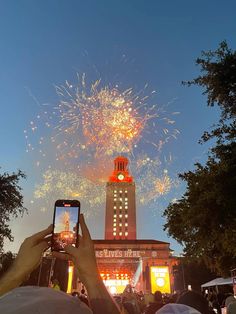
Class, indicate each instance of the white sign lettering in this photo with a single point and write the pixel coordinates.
(119, 253)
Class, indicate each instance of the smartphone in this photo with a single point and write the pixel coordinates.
(65, 224)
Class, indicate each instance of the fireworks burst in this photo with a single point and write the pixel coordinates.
(90, 125)
(109, 120)
(96, 121)
(153, 181)
(64, 185)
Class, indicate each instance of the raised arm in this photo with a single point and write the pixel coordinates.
(28, 258)
(85, 264)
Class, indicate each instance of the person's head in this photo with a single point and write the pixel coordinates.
(41, 300)
(55, 281)
(195, 300)
(158, 296)
(128, 288)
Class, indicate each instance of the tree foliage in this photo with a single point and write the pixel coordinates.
(218, 79)
(185, 274)
(11, 203)
(204, 219)
(6, 261)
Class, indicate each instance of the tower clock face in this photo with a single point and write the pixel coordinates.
(120, 176)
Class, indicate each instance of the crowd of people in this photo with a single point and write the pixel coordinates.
(95, 299)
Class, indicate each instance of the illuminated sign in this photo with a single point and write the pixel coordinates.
(160, 279)
(124, 253)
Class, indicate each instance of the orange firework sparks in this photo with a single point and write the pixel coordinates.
(163, 185)
(76, 139)
(110, 120)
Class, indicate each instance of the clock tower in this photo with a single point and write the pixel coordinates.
(120, 219)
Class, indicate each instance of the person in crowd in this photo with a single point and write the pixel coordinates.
(75, 294)
(83, 297)
(173, 308)
(130, 301)
(231, 308)
(156, 305)
(27, 300)
(229, 299)
(189, 302)
(148, 298)
(55, 285)
(195, 300)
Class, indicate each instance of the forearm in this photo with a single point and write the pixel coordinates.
(10, 280)
(99, 298)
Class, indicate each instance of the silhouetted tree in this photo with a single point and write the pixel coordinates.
(203, 220)
(11, 203)
(6, 259)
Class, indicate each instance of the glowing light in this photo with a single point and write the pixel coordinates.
(70, 278)
(113, 290)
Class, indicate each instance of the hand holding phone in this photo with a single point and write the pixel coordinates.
(65, 224)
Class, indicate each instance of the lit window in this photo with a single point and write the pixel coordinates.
(120, 224)
(120, 233)
(114, 215)
(126, 199)
(121, 199)
(114, 219)
(126, 233)
(126, 224)
(114, 233)
(126, 215)
(120, 191)
(114, 207)
(115, 191)
(126, 203)
(114, 229)
(126, 207)
(114, 199)
(114, 224)
(120, 215)
(126, 191)
(120, 207)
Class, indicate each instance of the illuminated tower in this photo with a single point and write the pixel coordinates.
(120, 220)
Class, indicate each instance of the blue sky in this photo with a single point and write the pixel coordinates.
(44, 43)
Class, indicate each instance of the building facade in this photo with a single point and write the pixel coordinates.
(122, 258)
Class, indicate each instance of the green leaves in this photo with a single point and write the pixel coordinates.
(11, 202)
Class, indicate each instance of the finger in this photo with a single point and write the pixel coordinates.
(71, 250)
(62, 256)
(40, 235)
(42, 246)
(84, 228)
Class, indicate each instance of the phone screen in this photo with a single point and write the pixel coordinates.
(66, 222)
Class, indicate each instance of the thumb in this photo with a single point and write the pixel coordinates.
(71, 250)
